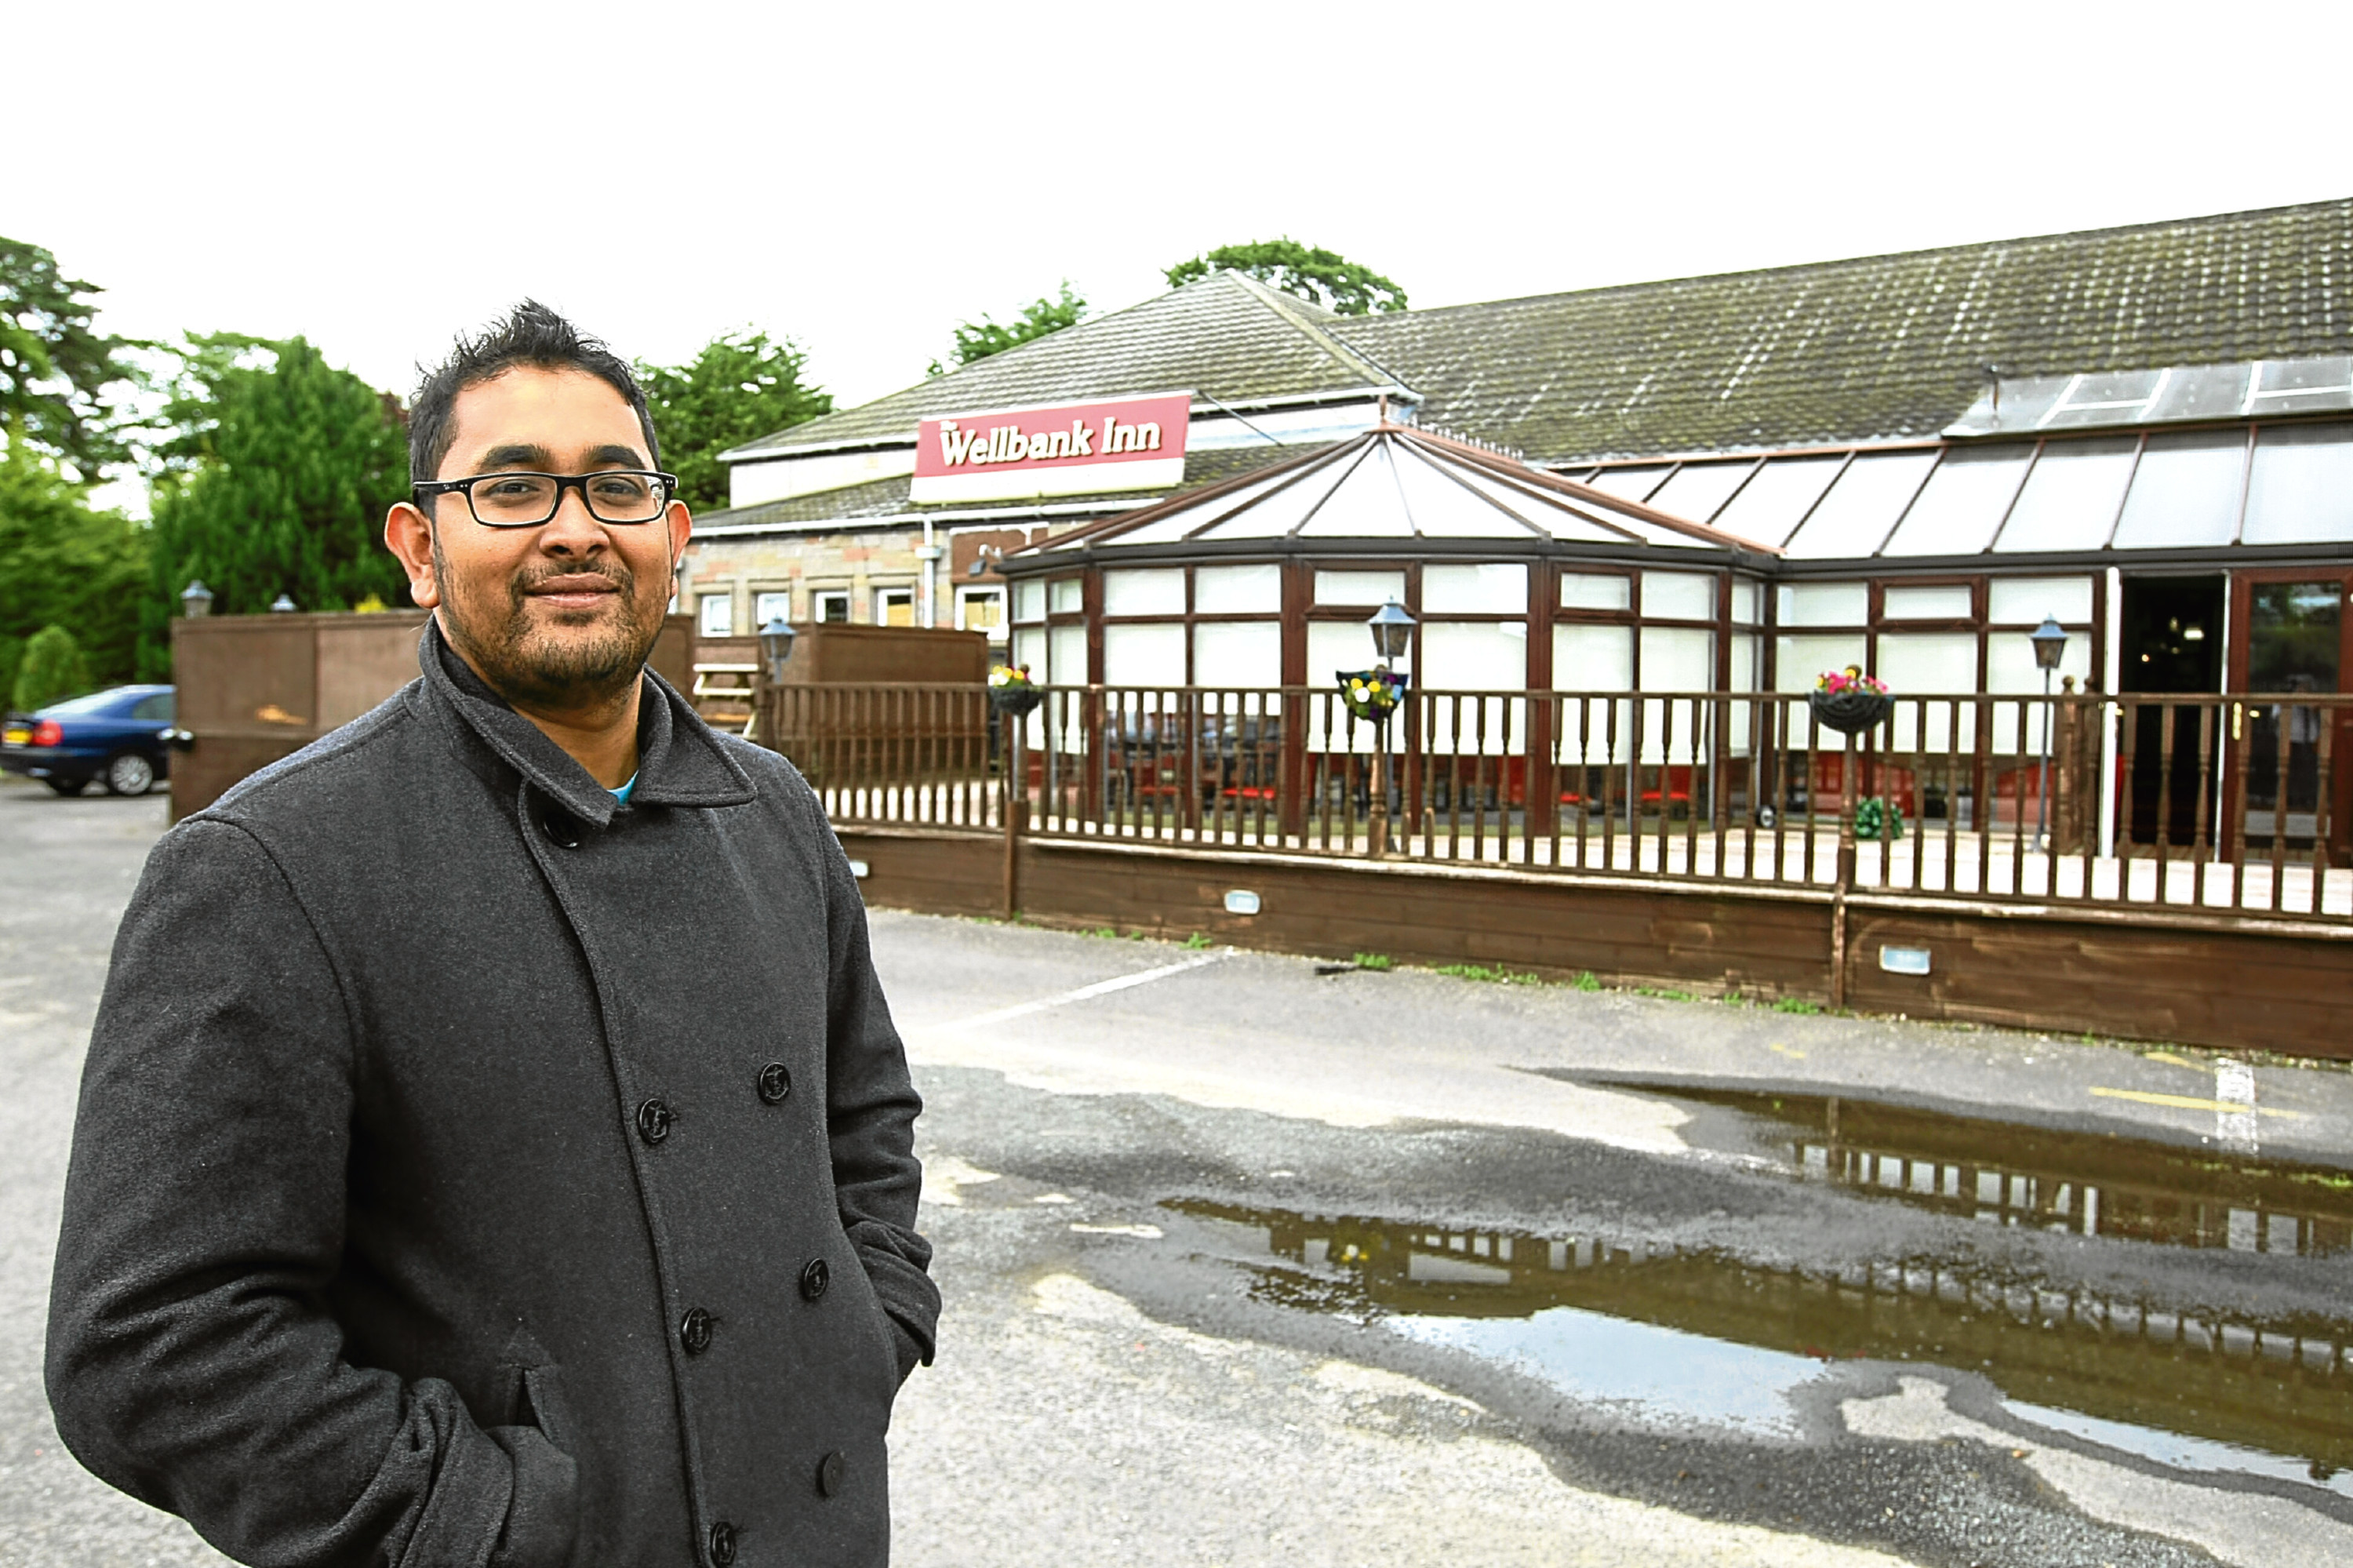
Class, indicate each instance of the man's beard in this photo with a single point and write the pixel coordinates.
(494, 628)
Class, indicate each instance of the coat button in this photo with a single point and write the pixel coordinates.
(694, 1331)
(654, 1121)
(776, 1081)
(560, 828)
(829, 1474)
(723, 1544)
(815, 1279)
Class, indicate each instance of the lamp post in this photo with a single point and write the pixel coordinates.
(195, 599)
(2050, 641)
(1392, 631)
(776, 647)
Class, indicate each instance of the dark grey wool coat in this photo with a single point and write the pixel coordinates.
(471, 1171)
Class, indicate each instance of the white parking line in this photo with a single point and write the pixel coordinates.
(1083, 994)
(2234, 1085)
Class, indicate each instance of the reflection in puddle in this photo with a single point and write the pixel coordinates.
(1677, 1327)
(2009, 1173)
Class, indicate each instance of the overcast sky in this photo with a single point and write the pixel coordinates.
(862, 177)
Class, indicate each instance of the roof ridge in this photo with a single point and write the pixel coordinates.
(1292, 309)
(1833, 263)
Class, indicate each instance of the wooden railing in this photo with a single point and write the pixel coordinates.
(2230, 805)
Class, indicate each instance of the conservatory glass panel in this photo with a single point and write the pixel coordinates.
(1699, 490)
(1066, 657)
(2070, 498)
(1629, 484)
(1861, 509)
(1771, 505)
(1030, 599)
(1962, 502)
(1677, 659)
(1237, 590)
(1550, 515)
(2301, 491)
(1143, 590)
(1066, 596)
(1363, 506)
(1596, 590)
(1443, 509)
(1747, 602)
(1148, 654)
(1798, 662)
(1824, 604)
(1678, 596)
(1587, 658)
(1336, 645)
(2011, 668)
(1176, 525)
(2024, 602)
(1487, 589)
(1247, 653)
(1928, 664)
(1947, 602)
(2184, 492)
(1370, 588)
(1474, 656)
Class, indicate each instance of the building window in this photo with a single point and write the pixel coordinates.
(718, 615)
(831, 607)
(894, 607)
(776, 604)
(1029, 601)
(1066, 596)
(981, 609)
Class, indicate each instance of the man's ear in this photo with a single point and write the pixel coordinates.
(408, 534)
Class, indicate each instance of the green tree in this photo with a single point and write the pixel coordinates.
(740, 388)
(59, 377)
(276, 481)
(978, 339)
(63, 564)
(1305, 271)
(53, 670)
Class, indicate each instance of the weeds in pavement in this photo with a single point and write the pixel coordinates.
(1663, 993)
(1106, 932)
(1481, 972)
(1376, 962)
(1796, 1005)
(1197, 941)
(1586, 982)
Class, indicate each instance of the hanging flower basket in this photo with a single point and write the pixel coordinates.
(1371, 694)
(1849, 701)
(1010, 691)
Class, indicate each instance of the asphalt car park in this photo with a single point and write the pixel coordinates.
(120, 738)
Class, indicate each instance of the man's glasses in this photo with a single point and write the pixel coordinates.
(528, 500)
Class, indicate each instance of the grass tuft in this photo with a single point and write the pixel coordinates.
(1373, 962)
(1796, 1005)
(1496, 976)
(1586, 982)
(1197, 941)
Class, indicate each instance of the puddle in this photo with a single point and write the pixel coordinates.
(1666, 1335)
(2013, 1174)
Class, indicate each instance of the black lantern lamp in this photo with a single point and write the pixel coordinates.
(1392, 631)
(195, 599)
(776, 648)
(2050, 641)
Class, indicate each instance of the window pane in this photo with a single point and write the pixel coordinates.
(1474, 656)
(1368, 589)
(2070, 500)
(1029, 649)
(1631, 483)
(1150, 654)
(1240, 653)
(1927, 604)
(1678, 659)
(1154, 590)
(2010, 667)
(718, 615)
(1030, 599)
(1928, 664)
(2301, 491)
(1769, 505)
(833, 608)
(1591, 590)
(981, 609)
(2024, 602)
(1824, 604)
(1800, 661)
(1592, 658)
(1067, 596)
(1678, 596)
(1861, 509)
(1499, 589)
(894, 607)
(1747, 602)
(1237, 590)
(1699, 490)
(768, 607)
(1336, 645)
(1963, 502)
(1066, 657)
(2185, 491)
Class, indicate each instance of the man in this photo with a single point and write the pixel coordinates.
(494, 1148)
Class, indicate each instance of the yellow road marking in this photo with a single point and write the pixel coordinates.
(2170, 1060)
(2187, 1102)
(1787, 1051)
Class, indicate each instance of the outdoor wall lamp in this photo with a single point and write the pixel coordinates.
(195, 599)
(2050, 641)
(1392, 631)
(776, 647)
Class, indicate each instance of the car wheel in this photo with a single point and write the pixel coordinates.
(67, 786)
(128, 773)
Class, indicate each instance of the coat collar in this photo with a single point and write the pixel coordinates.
(679, 761)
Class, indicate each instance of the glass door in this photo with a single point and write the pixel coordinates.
(2293, 640)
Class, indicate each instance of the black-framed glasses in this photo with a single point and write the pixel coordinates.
(620, 496)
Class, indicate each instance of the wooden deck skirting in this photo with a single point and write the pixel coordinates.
(2164, 975)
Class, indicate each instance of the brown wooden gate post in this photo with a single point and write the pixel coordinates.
(1017, 809)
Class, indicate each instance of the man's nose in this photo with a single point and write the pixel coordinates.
(574, 530)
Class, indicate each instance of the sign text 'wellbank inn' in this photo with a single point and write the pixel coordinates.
(1066, 449)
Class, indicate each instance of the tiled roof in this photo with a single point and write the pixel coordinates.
(888, 497)
(1224, 334)
(1874, 348)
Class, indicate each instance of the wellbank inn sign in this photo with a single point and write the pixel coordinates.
(1066, 449)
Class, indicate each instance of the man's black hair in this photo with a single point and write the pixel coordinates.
(530, 335)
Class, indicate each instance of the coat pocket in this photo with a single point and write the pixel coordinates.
(542, 1405)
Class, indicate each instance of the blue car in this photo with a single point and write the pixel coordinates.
(119, 737)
